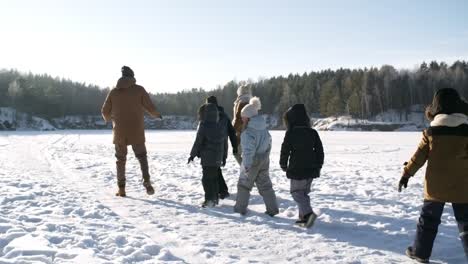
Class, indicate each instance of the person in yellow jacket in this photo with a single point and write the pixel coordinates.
(444, 145)
(244, 94)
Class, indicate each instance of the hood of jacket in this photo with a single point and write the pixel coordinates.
(257, 122)
(297, 116)
(211, 114)
(245, 98)
(451, 120)
(125, 82)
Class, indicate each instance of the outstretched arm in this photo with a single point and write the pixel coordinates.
(149, 106)
(198, 143)
(419, 157)
(107, 108)
(416, 162)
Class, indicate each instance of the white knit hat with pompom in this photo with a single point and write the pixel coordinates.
(243, 89)
(251, 109)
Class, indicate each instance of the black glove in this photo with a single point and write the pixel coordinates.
(403, 183)
(234, 151)
(190, 159)
(404, 179)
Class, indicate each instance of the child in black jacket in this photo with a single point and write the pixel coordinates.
(301, 158)
(210, 146)
(231, 134)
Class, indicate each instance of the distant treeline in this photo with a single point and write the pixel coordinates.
(45, 96)
(361, 93)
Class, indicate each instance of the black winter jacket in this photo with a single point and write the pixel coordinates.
(231, 132)
(301, 153)
(210, 144)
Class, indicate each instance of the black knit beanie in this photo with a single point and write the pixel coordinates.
(127, 72)
(212, 100)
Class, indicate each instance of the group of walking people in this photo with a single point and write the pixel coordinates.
(444, 146)
(301, 154)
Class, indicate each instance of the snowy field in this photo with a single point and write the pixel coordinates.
(57, 205)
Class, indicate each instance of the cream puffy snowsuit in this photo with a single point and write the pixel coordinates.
(256, 145)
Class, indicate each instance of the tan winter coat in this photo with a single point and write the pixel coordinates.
(241, 101)
(445, 147)
(125, 106)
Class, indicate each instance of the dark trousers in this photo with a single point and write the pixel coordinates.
(121, 155)
(223, 189)
(428, 224)
(210, 183)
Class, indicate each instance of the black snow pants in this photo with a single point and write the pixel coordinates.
(428, 224)
(210, 183)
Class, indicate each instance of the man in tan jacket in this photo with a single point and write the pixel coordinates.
(125, 106)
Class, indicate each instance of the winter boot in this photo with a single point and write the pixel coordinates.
(301, 221)
(271, 214)
(310, 219)
(121, 192)
(149, 188)
(464, 239)
(410, 253)
(208, 203)
(241, 212)
(223, 195)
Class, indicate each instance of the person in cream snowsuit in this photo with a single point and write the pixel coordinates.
(256, 145)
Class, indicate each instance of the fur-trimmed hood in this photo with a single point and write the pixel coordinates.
(243, 90)
(452, 120)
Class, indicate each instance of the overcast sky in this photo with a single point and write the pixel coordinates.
(176, 45)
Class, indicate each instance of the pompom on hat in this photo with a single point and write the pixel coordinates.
(251, 109)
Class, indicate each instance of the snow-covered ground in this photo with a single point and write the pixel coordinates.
(57, 205)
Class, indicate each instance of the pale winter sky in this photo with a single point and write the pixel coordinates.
(176, 45)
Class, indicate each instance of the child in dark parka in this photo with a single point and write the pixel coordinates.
(210, 146)
(301, 158)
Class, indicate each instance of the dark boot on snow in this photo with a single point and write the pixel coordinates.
(209, 203)
(271, 214)
(300, 222)
(310, 219)
(464, 239)
(223, 195)
(148, 187)
(410, 253)
(121, 192)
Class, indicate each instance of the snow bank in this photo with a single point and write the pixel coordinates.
(12, 120)
(391, 120)
(347, 123)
